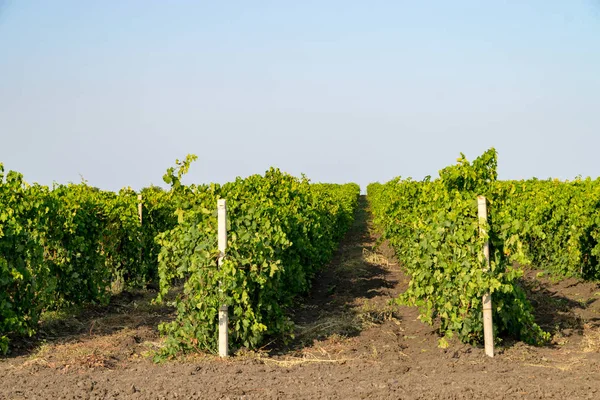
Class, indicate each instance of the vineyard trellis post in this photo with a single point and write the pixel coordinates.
(141, 235)
(140, 207)
(488, 327)
(223, 309)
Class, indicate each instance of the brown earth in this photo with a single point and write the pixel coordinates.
(350, 344)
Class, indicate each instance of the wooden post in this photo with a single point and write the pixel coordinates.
(223, 310)
(141, 236)
(488, 327)
(140, 207)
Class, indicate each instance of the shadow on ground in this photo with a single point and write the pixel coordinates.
(350, 294)
(97, 334)
(563, 307)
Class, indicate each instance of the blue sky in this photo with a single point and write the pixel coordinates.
(339, 90)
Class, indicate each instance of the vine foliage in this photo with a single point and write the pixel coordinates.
(281, 231)
(434, 228)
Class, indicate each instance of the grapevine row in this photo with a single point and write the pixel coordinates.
(434, 227)
(282, 230)
(75, 244)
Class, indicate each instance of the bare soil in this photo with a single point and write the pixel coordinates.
(350, 343)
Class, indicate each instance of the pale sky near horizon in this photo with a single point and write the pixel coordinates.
(339, 90)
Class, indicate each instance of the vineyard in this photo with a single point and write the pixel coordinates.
(433, 225)
(378, 290)
(75, 244)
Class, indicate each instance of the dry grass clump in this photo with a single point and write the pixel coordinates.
(591, 339)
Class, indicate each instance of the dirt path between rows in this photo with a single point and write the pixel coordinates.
(350, 344)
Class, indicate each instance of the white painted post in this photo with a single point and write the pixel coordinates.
(223, 310)
(140, 207)
(140, 235)
(488, 327)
